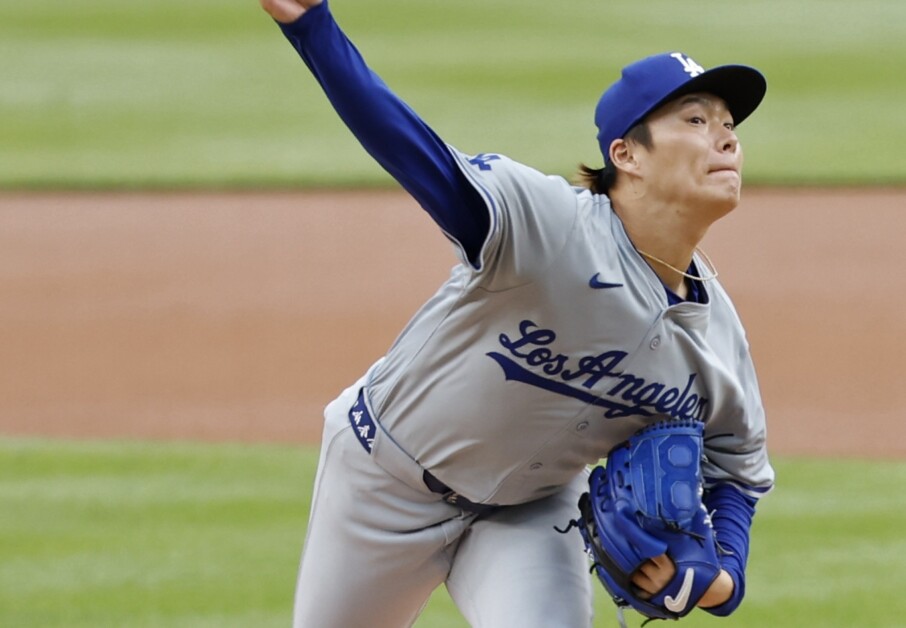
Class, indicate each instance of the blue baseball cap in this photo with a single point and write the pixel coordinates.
(647, 84)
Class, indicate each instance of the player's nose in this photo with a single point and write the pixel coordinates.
(727, 141)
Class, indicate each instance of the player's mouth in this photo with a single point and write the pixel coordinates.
(724, 170)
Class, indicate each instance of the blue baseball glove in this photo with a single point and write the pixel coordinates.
(647, 502)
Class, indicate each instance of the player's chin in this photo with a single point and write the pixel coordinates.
(724, 195)
(713, 206)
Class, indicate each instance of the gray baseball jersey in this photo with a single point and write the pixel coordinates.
(520, 372)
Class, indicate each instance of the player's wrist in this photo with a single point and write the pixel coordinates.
(720, 591)
(287, 11)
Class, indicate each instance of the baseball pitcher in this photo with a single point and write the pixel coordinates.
(580, 322)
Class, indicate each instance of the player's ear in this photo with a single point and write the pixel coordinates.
(623, 155)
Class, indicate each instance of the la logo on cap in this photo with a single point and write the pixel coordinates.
(690, 66)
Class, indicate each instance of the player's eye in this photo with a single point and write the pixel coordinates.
(730, 126)
(697, 120)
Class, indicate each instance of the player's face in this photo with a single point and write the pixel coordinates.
(696, 158)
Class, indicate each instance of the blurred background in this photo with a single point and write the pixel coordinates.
(98, 93)
(197, 256)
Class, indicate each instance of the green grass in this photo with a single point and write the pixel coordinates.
(132, 534)
(97, 93)
(153, 534)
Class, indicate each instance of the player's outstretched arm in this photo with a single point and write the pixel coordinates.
(287, 11)
(401, 142)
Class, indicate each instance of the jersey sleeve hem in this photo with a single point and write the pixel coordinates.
(750, 491)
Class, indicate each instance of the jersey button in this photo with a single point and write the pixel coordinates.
(535, 466)
(655, 343)
(581, 427)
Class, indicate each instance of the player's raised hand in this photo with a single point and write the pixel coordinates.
(287, 11)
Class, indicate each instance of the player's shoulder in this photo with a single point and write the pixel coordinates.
(499, 169)
(720, 300)
(724, 315)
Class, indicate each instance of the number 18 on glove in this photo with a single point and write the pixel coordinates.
(647, 502)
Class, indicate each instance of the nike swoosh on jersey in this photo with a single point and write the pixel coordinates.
(678, 604)
(597, 284)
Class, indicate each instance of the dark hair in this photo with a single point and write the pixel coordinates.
(600, 180)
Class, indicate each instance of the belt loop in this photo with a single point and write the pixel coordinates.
(455, 499)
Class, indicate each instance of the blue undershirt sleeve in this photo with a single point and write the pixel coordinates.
(732, 514)
(389, 130)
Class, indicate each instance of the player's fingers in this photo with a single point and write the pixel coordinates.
(664, 564)
(644, 584)
(655, 573)
(654, 568)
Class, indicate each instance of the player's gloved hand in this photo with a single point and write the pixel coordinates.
(287, 11)
(645, 527)
(657, 573)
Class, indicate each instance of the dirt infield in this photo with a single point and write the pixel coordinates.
(238, 316)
